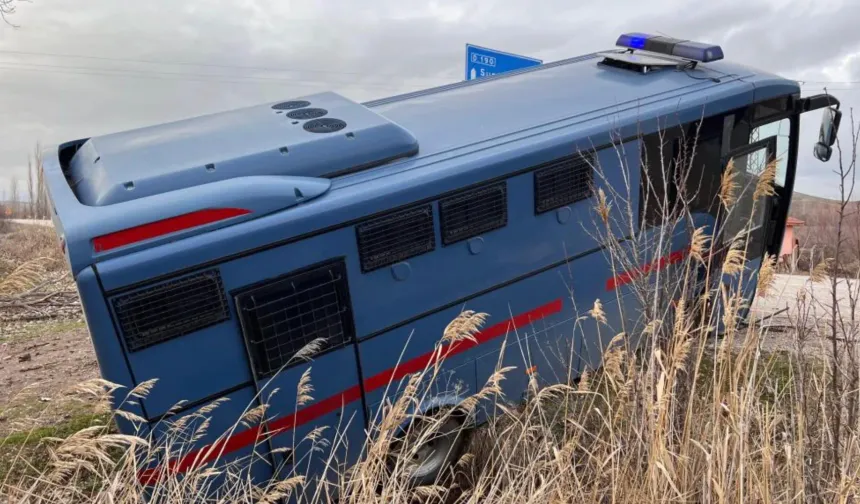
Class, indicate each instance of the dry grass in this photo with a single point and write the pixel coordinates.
(20, 244)
(752, 431)
(34, 279)
(681, 419)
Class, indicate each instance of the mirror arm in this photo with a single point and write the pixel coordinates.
(816, 102)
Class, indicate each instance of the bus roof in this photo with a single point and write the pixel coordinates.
(470, 112)
(270, 157)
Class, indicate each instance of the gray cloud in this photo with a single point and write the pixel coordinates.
(854, 68)
(361, 49)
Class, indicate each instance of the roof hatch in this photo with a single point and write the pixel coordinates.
(322, 135)
(637, 62)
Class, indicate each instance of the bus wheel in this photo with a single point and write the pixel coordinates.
(426, 455)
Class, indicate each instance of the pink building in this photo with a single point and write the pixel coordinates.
(790, 245)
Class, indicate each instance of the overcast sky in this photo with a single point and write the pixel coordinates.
(77, 68)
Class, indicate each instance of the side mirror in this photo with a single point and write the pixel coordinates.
(827, 134)
(822, 152)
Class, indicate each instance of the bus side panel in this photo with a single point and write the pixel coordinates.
(333, 403)
(542, 353)
(597, 334)
(387, 360)
(289, 322)
(277, 310)
(109, 351)
(210, 423)
(741, 286)
(622, 297)
(554, 349)
(192, 367)
(526, 244)
(660, 257)
(213, 360)
(525, 312)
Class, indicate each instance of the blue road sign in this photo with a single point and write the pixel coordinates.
(483, 62)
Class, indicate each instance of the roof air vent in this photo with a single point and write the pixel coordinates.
(324, 125)
(307, 113)
(291, 105)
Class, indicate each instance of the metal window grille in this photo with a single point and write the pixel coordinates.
(171, 309)
(562, 182)
(473, 212)
(296, 317)
(395, 237)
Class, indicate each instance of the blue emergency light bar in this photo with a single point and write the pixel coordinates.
(686, 49)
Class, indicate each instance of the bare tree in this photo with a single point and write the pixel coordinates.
(14, 200)
(4, 205)
(37, 204)
(7, 8)
(41, 196)
(843, 330)
(31, 191)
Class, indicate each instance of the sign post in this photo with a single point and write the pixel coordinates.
(483, 62)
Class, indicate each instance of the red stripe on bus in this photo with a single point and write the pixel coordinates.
(628, 276)
(422, 361)
(254, 435)
(325, 406)
(164, 227)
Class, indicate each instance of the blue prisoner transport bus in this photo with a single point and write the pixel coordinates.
(208, 251)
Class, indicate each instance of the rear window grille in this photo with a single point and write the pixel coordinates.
(562, 182)
(282, 317)
(473, 212)
(395, 237)
(171, 309)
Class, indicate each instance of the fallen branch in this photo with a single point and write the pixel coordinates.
(54, 297)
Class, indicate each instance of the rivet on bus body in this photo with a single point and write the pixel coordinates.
(563, 215)
(476, 245)
(401, 271)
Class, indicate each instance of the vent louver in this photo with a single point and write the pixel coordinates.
(281, 317)
(171, 309)
(291, 105)
(473, 212)
(395, 237)
(562, 182)
(307, 113)
(324, 125)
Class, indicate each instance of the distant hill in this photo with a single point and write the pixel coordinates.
(805, 205)
(800, 197)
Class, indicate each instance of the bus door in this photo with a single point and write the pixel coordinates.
(298, 327)
(750, 219)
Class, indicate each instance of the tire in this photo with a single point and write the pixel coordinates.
(428, 462)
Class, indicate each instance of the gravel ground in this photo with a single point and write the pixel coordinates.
(39, 362)
(796, 301)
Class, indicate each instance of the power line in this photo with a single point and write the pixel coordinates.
(239, 79)
(845, 89)
(116, 74)
(265, 68)
(817, 88)
(186, 63)
(123, 72)
(803, 82)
